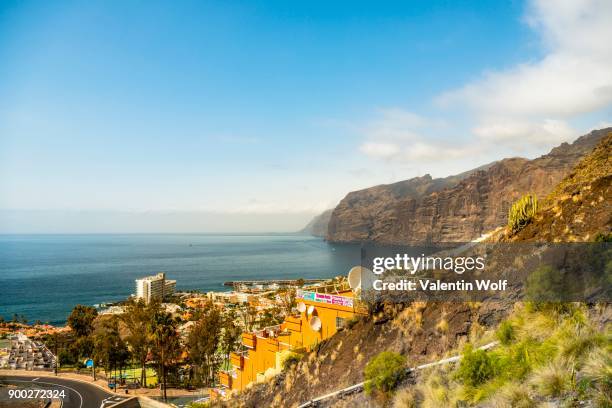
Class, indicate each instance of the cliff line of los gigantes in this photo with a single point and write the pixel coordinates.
(456, 208)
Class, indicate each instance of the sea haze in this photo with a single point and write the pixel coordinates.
(44, 276)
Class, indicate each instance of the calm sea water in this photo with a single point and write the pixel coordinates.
(44, 276)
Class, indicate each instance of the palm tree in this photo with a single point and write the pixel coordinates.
(165, 341)
(231, 334)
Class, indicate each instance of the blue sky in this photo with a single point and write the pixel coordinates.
(253, 116)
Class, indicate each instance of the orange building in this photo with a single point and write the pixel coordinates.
(320, 316)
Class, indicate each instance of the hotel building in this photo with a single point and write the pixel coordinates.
(155, 287)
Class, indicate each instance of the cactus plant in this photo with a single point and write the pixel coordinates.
(522, 212)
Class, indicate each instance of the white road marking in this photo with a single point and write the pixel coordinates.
(111, 401)
(70, 388)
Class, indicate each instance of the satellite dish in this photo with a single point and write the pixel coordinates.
(315, 323)
(357, 275)
(301, 307)
(311, 310)
(360, 280)
(354, 277)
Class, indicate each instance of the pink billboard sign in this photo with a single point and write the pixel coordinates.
(326, 298)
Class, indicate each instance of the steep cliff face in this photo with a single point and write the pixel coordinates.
(318, 225)
(457, 208)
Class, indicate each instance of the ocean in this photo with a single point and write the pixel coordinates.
(43, 276)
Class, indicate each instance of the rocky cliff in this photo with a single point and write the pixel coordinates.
(578, 208)
(456, 208)
(318, 225)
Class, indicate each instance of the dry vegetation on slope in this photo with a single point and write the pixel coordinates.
(549, 356)
(580, 206)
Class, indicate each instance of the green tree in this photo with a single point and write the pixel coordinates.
(287, 300)
(81, 344)
(232, 333)
(166, 345)
(110, 351)
(138, 321)
(249, 316)
(203, 342)
(81, 347)
(271, 317)
(81, 320)
(66, 358)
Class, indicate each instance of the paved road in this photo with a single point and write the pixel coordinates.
(77, 394)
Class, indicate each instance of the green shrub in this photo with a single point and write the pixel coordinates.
(352, 322)
(520, 358)
(505, 332)
(581, 342)
(522, 212)
(597, 370)
(291, 360)
(406, 398)
(513, 395)
(384, 372)
(435, 389)
(601, 237)
(553, 380)
(476, 367)
(544, 286)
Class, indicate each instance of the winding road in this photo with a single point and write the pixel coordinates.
(77, 394)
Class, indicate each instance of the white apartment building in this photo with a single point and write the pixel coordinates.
(155, 287)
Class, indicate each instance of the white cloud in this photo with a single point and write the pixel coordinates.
(395, 124)
(531, 101)
(380, 150)
(399, 135)
(602, 125)
(546, 133)
(525, 109)
(561, 85)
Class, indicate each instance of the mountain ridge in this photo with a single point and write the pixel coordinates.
(456, 208)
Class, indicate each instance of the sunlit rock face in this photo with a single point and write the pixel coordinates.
(453, 209)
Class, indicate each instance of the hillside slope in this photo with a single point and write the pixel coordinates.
(412, 330)
(423, 332)
(453, 209)
(580, 205)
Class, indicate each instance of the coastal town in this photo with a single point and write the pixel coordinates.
(261, 326)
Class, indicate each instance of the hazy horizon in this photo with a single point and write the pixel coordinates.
(14, 222)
